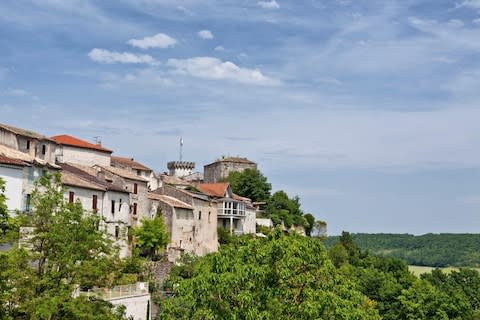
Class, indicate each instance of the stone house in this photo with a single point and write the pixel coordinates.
(205, 239)
(219, 170)
(137, 168)
(100, 197)
(178, 217)
(234, 213)
(12, 171)
(135, 185)
(74, 150)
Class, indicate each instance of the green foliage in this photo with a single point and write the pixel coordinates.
(281, 277)
(310, 221)
(435, 250)
(152, 237)
(224, 236)
(65, 249)
(250, 183)
(3, 202)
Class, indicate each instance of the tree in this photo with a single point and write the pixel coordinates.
(65, 249)
(250, 183)
(282, 208)
(309, 225)
(319, 229)
(280, 277)
(152, 237)
(3, 208)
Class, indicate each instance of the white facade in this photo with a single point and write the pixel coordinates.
(250, 224)
(82, 156)
(13, 176)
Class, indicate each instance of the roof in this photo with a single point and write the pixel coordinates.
(18, 155)
(24, 132)
(67, 140)
(11, 161)
(122, 173)
(171, 201)
(71, 179)
(130, 163)
(173, 180)
(90, 176)
(233, 159)
(214, 189)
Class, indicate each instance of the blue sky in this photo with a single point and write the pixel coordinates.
(368, 110)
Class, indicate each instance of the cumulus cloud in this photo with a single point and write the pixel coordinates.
(15, 92)
(215, 69)
(205, 34)
(219, 48)
(475, 4)
(160, 40)
(111, 57)
(268, 4)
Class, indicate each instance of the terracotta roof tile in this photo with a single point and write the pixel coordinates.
(90, 175)
(18, 155)
(11, 161)
(122, 173)
(75, 142)
(130, 163)
(213, 189)
(71, 179)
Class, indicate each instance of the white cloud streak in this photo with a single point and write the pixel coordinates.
(215, 69)
(111, 57)
(205, 34)
(160, 40)
(269, 4)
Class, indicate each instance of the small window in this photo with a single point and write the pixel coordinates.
(120, 205)
(209, 214)
(199, 215)
(139, 172)
(117, 232)
(94, 202)
(31, 175)
(134, 208)
(28, 144)
(44, 149)
(28, 200)
(135, 188)
(113, 207)
(71, 196)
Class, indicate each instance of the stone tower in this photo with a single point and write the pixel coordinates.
(218, 170)
(180, 168)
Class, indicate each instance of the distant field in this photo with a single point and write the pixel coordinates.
(418, 270)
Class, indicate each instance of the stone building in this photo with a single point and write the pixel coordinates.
(135, 185)
(137, 168)
(234, 213)
(100, 197)
(219, 170)
(74, 150)
(180, 168)
(205, 238)
(12, 171)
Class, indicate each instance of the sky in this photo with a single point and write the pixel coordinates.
(367, 110)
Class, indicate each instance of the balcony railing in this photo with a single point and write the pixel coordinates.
(231, 212)
(129, 290)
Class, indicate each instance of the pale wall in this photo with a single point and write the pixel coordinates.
(136, 306)
(13, 177)
(86, 157)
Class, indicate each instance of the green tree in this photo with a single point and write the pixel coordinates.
(280, 277)
(282, 208)
(3, 202)
(65, 249)
(250, 183)
(309, 224)
(152, 237)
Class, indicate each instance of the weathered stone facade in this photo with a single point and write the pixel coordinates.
(219, 170)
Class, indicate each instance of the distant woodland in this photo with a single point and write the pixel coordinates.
(434, 250)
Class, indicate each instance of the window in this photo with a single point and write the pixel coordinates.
(113, 207)
(117, 232)
(120, 205)
(94, 202)
(44, 149)
(28, 144)
(71, 196)
(134, 208)
(135, 188)
(199, 215)
(139, 172)
(209, 214)
(31, 172)
(28, 200)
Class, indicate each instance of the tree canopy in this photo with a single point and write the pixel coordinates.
(152, 237)
(65, 248)
(250, 183)
(280, 277)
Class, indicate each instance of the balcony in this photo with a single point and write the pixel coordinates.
(231, 209)
(118, 292)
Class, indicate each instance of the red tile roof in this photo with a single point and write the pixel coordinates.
(11, 161)
(130, 163)
(75, 142)
(214, 189)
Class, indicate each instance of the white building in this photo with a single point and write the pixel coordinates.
(12, 171)
(74, 150)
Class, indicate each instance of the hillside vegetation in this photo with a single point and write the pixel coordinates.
(434, 250)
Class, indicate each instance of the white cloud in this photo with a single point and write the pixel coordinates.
(215, 69)
(205, 34)
(475, 4)
(160, 40)
(219, 48)
(268, 4)
(110, 57)
(15, 92)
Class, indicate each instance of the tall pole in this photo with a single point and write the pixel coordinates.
(181, 147)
